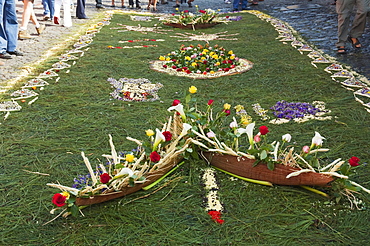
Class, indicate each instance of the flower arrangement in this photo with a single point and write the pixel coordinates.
(134, 169)
(233, 133)
(200, 59)
(200, 17)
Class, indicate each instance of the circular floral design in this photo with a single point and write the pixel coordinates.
(201, 62)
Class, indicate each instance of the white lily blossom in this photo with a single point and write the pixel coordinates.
(179, 108)
(317, 140)
(185, 128)
(287, 137)
(124, 171)
(159, 137)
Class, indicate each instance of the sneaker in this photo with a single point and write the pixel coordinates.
(5, 56)
(23, 35)
(15, 53)
(40, 29)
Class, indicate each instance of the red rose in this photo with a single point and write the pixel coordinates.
(188, 71)
(185, 68)
(154, 156)
(130, 41)
(59, 200)
(205, 62)
(227, 112)
(104, 178)
(167, 135)
(165, 66)
(186, 11)
(264, 130)
(174, 67)
(176, 102)
(179, 69)
(354, 161)
(204, 72)
(210, 102)
(226, 69)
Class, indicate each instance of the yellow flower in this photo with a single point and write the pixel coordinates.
(215, 56)
(65, 194)
(193, 89)
(212, 72)
(232, 57)
(130, 157)
(205, 51)
(211, 53)
(217, 64)
(168, 59)
(238, 107)
(149, 132)
(162, 58)
(194, 64)
(177, 9)
(230, 52)
(187, 58)
(246, 119)
(203, 58)
(227, 106)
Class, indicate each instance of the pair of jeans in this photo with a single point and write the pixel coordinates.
(48, 8)
(8, 26)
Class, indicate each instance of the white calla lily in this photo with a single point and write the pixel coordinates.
(287, 137)
(249, 131)
(179, 108)
(317, 140)
(185, 128)
(124, 171)
(159, 137)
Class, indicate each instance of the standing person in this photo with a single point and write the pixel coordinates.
(80, 10)
(48, 9)
(131, 3)
(345, 32)
(99, 4)
(8, 29)
(27, 15)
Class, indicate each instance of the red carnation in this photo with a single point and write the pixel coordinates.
(59, 200)
(354, 161)
(174, 67)
(167, 135)
(210, 102)
(176, 102)
(264, 130)
(154, 156)
(104, 178)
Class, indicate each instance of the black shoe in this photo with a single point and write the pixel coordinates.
(100, 6)
(235, 10)
(16, 53)
(176, 6)
(84, 17)
(138, 7)
(246, 8)
(5, 56)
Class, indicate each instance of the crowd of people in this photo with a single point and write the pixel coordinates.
(11, 31)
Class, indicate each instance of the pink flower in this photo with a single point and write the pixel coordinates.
(306, 149)
(227, 112)
(353, 161)
(257, 138)
(264, 130)
(211, 134)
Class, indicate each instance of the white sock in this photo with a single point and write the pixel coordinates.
(22, 29)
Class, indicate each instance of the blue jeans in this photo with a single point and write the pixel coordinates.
(236, 4)
(8, 26)
(48, 8)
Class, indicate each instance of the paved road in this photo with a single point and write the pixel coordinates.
(315, 20)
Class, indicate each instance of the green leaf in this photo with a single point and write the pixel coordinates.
(263, 155)
(74, 210)
(270, 165)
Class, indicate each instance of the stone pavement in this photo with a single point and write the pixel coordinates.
(315, 20)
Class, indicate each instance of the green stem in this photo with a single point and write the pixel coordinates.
(161, 178)
(245, 179)
(315, 190)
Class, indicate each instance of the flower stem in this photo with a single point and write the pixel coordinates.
(315, 190)
(245, 179)
(160, 179)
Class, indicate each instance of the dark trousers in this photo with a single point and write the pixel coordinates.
(80, 10)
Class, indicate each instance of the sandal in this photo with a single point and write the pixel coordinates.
(355, 44)
(341, 50)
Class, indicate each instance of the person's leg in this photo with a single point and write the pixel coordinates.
(359, 23)
(45, 4)
(80, 9)
(67, 19)
(236, 5)
(26, 15)
(57, 7)
(10, 25)
(344, 9)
